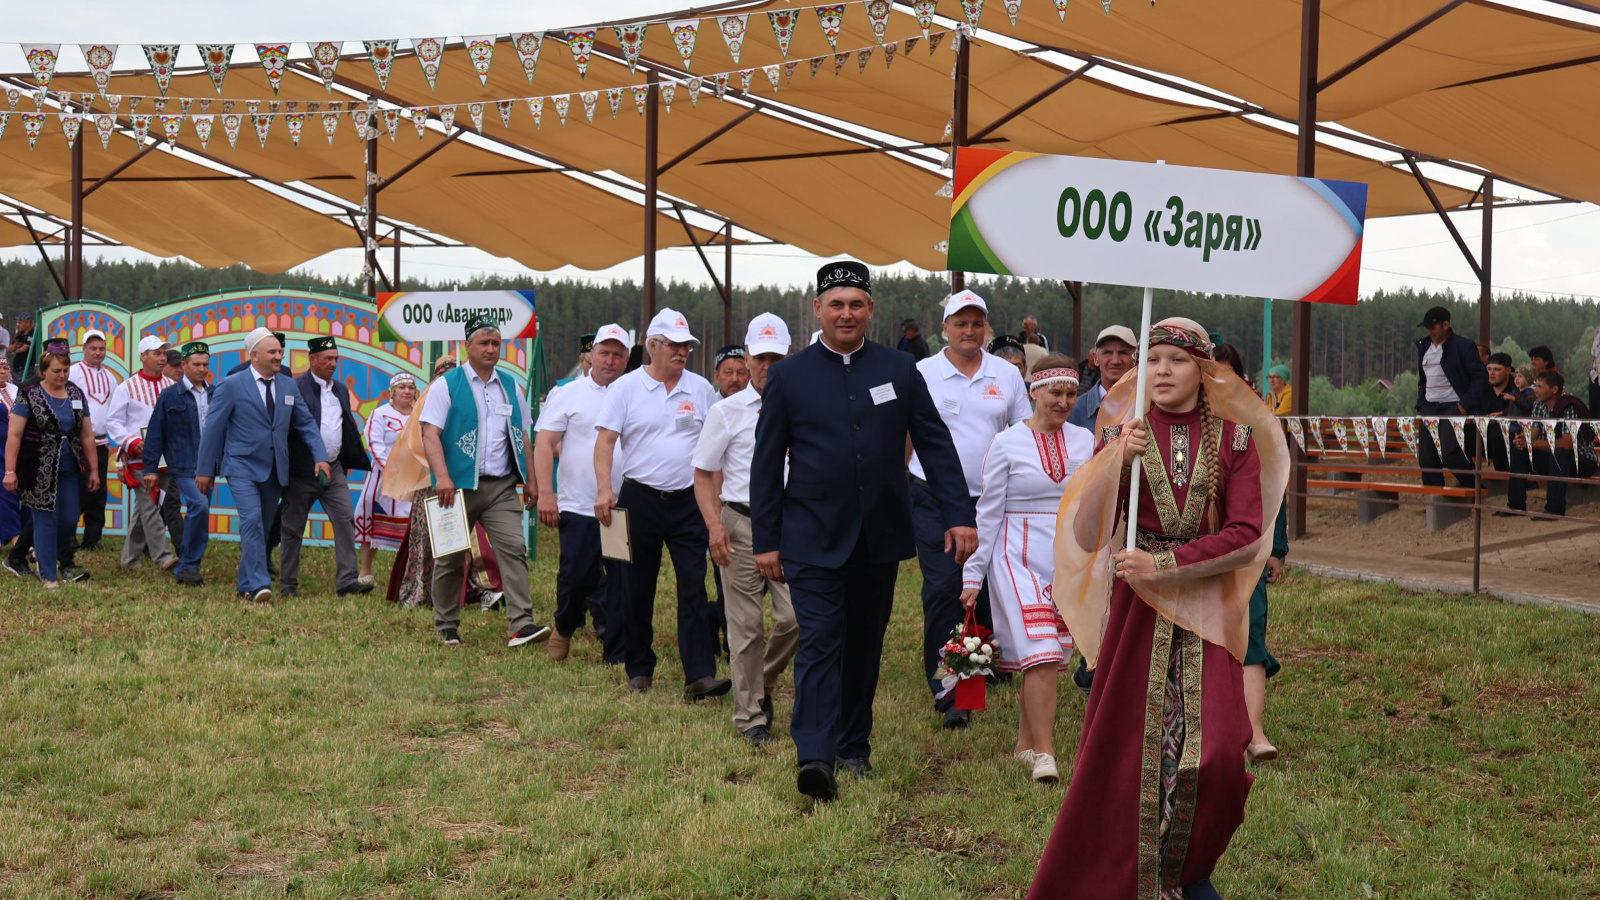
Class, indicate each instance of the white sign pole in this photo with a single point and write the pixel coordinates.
(1138, 406)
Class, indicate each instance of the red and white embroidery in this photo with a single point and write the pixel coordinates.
(1052, 454)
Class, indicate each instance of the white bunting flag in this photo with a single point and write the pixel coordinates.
(100, 58)
(527, 44)
(733, 29)
(42, 59)
(430, 53)
(163, 59)
(325, 54)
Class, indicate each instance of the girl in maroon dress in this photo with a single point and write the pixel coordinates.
(1159, 783)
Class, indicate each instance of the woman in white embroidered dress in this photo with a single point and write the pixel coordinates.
(383, 427)
(1024, 474)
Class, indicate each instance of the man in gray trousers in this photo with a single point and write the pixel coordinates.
(328, 401)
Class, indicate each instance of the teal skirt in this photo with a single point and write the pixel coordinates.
(1257, 654)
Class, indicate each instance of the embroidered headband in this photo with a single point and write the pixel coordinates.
(1177, 337)
(402, 378)
(1053, 376)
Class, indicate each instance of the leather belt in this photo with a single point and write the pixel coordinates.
(742, 509)
(1151, 542)
(663, 494)
(916, 480)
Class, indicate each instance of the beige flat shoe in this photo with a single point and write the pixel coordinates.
(1025, 755)
(1044, 769)
(559, 646)
(1260, 753)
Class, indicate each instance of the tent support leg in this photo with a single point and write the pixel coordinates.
(1306, 166)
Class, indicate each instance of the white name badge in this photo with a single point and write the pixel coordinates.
(500, 409)
(77, 405)
(686, 423)
(883, 393)
(289, 400)
(950, 406)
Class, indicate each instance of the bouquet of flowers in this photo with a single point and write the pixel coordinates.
(968, 658)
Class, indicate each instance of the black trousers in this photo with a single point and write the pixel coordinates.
(941, 586)
(1557, 463)
(582, 575)
(669, 519)
(93, 503)
(172, 514)
(843, 614)
(1453, 457)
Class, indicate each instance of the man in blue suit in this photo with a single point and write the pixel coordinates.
(840, 411)
(174, 435)
(246, 440)
(275, 514)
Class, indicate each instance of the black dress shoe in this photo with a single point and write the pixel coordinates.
(640, 684)
(757, 735)
(957, 718)
(362, 588)
(816, 781)
(1083, 678)
(859, 766)
(709, 686)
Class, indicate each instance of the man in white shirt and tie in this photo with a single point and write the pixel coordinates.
(127, 415)
(726, 447)
(97, 381)
(567, 429)
(978, 395)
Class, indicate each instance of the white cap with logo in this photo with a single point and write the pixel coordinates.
(670, 324)
(151, 342)
(613, 332)
(961, 300)
(767, 334)
(1119, 332)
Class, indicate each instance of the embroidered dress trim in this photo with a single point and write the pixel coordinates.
(1170, 760)
(1052, 454)
(1241, 438)
(1180, 455)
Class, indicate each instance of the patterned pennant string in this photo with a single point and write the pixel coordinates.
(614, 100)
(1459, 425)
(106, 124)
(1552, 432)
(527, 44)
(382, 55)
(694, 91)
(391, 124)
(1481, 424)
(1363, 434)
(217, 59)
(263, 128)
(631, 39)
(274, 59)
(231, 123)
(910, 44)
(589, 98)
(946, 190)
(185, 102)
(744, 79)
(475, 110)
(783, 29)
(359, 117)
(429, 52)
(504, 107)
(925, 10)
(100, 57)
(1408, 433)
(13, 97)
(942, 247)
(684, 34)
(325, 54)
(878, 17)
(141, 127)
(202, 129)
(71, 122)
(788, 70)
(330, 125)
(668, 91)
(973, 10)
(733, 29)
(5, 119)
(562, 102)
(32, 124)
(934, 41)
(163, 58)
(171, 126)
(1299, 433)
(419, 118)
(1341, 435)
(536, 109)
(297, 123)
(42, 59)
(1106, 6)
(1577, 435)
(773, 73)
(1314, 424)
(816, 63)
(839, 59)
(832, 20)
(641, 96)
(480, 49)
(250, 106)
(862, 58)
(889, 50)
(115, 102)
(1012, 8)
(581, 43)
(1432, 424)
(447, 115)
(720, 85)
(1061, 9)
(1380, 434)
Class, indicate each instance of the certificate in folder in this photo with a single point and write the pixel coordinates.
(614, 540)
(447, 526)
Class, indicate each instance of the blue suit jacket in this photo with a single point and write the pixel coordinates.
(1462, 367)
(1086, 409)
(239, 442)
(847, 457)
(174, 430)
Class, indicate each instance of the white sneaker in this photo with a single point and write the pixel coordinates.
(1025, 755)
(1044, 769)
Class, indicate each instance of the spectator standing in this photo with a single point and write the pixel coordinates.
(912, 341)
(127, 415)
(1452, 382)
(1280, 395)
(176, 423)
(729, 371)
(97, 382)
(1113, 356)
(10, 504)
(383, 428)
(1032, 335)
(274, 515)
(21, 346)
(1553, 454)
(51, 419)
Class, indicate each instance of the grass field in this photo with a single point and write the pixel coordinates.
(158, 742)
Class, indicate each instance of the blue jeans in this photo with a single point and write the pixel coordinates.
(250, 497)
(50, 525)
(196, 524)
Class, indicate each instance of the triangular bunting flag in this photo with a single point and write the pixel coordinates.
(1342, 435)
(231, 123)
(889, 50)
(773, 73)
(419, 118)
(13, 97)
(1012, 8)
(202, 129)
(788, 70)
(185, 102)
(1106, 5)
(42, 59)
(325, 54)
(447, 115)
(382, 55)
(297, 124)
(562, 102)
(100, 57)
(1061, 9)
(631, 39)
(1460, 427)
(133, 105)
(816, 63)
(106, 124)
(1363, 434)
(973, 10)
(934, 40)
(1408, 433)
(163, 58)
(614, 100)
(719, 84)
(429, 52)
(527, 44)
(863, 56)
(32, 125)
(141, 127)
(536, 109)
(946, 190)
(581, 43)
(942, 247)
(330, 124)
(925, 10)
(71, 122)
(832, 19)
(783, 29)
(1432, 424)
(1314, 425)
(684, 34)
(878, 17)
(250, 106)
(263, 128)
(641, 96)
(668, 91)
(1380, 434)
(504, 107)
(391, 124)
(160, 104)
(733, 28)
(115, 102)
(217, 58)
(171, 126)
(480, 49)
(1299, 433)
(475, 110)
(274, 59)
(589, 98)
(5, 119)
(910, 44)
(694, 90)
(1481, 425)
(839, 59)
(359, 117)
(744, 79)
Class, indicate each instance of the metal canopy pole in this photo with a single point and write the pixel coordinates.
(1306, 165)
(958, 124)
(75, 233)
(395, 269)
(652, 127)
(727, 284)
(1075, 288)
(1486, 263)
(369, 238)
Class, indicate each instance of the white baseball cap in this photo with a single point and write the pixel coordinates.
(767, 334)
(151, 342)
(93, 333)
(1121, 332)
(670, 324)
(961, 300)
(613, 332)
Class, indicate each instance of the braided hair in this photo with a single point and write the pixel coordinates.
(1211, 444)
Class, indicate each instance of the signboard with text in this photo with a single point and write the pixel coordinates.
(1149, 225)
(418, 316)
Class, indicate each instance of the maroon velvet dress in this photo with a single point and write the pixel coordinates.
(1159, 784)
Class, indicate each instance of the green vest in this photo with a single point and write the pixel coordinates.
(463, 436)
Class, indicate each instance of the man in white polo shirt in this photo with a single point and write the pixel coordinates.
(566, 429)
(978, 396)
(726, 446)
(657, 412)
(97, 381)
(127, 415)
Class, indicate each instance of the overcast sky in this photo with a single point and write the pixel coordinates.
(1549, 250)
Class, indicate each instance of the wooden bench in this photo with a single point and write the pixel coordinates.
(1445, 505)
